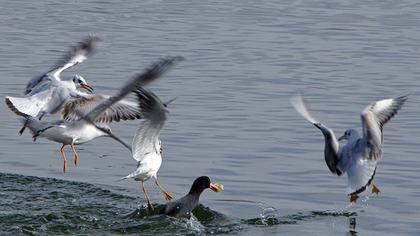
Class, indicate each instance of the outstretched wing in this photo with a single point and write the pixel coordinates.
(31, 105)
(331, 143)
(150, 74)
(146, 139)
(374, 117)
(75, 56)
(121, 110)
(363, 155)
(38, 84)
(301, 108)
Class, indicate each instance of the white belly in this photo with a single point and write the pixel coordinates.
(57, 134)
(82, 132)
(148, 167)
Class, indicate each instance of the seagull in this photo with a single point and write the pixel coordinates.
(146, 145)
(85, 128)
(361, 153)
(183, 207)
(48, 93)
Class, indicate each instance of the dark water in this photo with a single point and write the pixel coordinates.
(232, 119)
(40, 206)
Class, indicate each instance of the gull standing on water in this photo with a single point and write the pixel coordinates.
(359, 156)
(146, 147)
(84, 129)
(48, 93)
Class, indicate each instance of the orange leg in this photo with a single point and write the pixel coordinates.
(64, 159)
(76, 157)
(166, 195)
(149, 203)
(353, 198)
(375, 189)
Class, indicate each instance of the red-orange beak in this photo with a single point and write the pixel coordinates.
(87, 87)
(216, 187)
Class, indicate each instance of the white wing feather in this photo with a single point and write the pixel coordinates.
(121, 110)
(374, 117)
(75, 56)
(146, 139)
(301, 108)
(31, 105)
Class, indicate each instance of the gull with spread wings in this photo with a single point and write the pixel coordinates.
(48, 93)
(146, 147)
(359, 156)
(86, 127)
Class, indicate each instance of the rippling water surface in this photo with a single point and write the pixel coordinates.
(232, 119)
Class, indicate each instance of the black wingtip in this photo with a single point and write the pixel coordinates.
(88, 44)
(169, 102)
(403, 97)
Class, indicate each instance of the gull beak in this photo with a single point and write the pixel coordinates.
(342, 138)
(87, 87)
(216, 187)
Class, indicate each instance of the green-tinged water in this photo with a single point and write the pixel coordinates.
(232, 119)
(40, 206)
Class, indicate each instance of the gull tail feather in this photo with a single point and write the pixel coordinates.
(127, 177)
(35, 126)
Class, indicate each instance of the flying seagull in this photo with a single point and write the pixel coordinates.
(48, 93)
(359, 156)
(84, 129)
(146, 146)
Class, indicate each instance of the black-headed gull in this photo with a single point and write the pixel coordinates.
(359, 156)
(84, 129)
(48, 93)
(146, 146)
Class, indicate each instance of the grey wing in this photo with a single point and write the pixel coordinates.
(155, 71)
(374, 117)
(146, 140)
(76, 55)
(31, 105)
(38, 84)
(301, 107)
(121, 110)
(331, 150)
(35, 126)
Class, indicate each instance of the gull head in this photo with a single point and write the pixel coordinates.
(349, 135)
(79, 81)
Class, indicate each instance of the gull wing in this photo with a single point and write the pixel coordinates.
(146, 140)
(331, 151)
(374, 117)
(364, 154)
(121, 110)
(75, 56)
(301, 107)
(31, 105)
(155, 71)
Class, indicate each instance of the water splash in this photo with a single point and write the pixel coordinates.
(268, 215)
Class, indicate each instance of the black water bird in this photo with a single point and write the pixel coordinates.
(183, 207)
